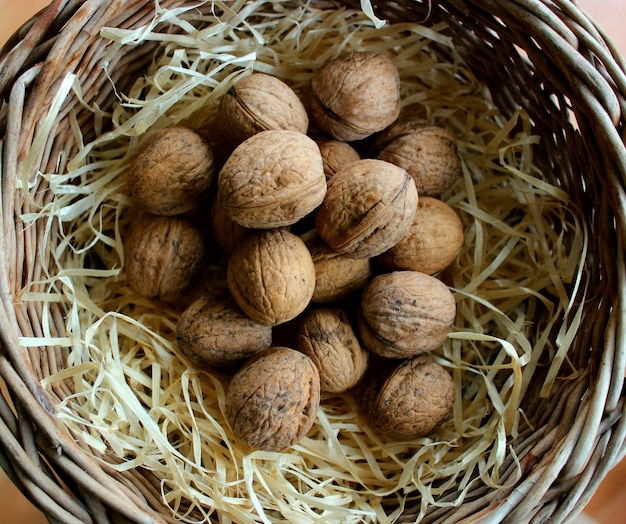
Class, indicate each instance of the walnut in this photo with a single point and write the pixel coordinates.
(260, 102)
(335, 155)
(272, 276)
(428, 152)
(163, 256)
(172, 172)
(327, 338)
(336, 276)
(409, 400)
(356, 95)
(405, 313)
(368, 208)
(272, 402)
(272, 179)
(433, 242)
(214, 331)
(226, 232)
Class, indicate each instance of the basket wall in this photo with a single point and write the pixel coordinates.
(545, 57)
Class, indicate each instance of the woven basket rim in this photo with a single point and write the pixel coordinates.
(563, 46)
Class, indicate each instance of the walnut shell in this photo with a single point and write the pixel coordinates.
(356, 95)
(327, 338)
(272, 179)
(261, 102)
(226, 232)
(432, 243)
(405, 313)
(172, 172)
(410, 400)
(335, 155)
(214, 331)
(428, 152)
(163, 256)
(336, 276)
(368, 208)
(272, 402)
(271, 276)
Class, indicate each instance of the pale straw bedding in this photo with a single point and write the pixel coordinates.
(138, 403)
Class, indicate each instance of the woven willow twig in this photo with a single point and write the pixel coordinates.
(546, 57)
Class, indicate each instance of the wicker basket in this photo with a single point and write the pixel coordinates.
(546, 57)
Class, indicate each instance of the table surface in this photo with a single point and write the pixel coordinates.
(608, 506)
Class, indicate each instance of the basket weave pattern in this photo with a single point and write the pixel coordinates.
(547, 58)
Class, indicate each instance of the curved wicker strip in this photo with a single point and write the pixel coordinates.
(546, 57)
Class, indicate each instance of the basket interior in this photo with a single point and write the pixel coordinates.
(542, 61)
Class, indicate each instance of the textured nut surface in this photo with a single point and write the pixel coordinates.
(405, 313)
(272, 402)
(410, 400)
(226, 232)
(336, 276)
(335, 155)
(272, 179)
(428, 152)
(213, 330)
(261, 102)
(172, 172)
(271, 276)
(368, 208)
(433, 241)
(163, 256)
(327, 338)
(356, 95)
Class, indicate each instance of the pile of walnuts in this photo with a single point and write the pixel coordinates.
(330, 218)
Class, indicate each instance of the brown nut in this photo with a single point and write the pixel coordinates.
(172, 172)
(428, 153)
(432, 243)
(272, 179)
(335, 155)
(226, 232)
(356, 95)
(410, 400)
(214, 331)
(368, 208)
(163, 256)
(327, 338)
(271, 276)
(405, 313)
(272, 402)
(261, 102)
(336, 276)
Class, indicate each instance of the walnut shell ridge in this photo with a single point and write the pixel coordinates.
(272, 179)
(214, 331)
(271, 275)
(261, 102)
(433, 242)
(272, 401)
(410, 400)
(369, 206)
(326, 336)
(337, 276)
(405, 313)
(226, 232)
(163, 256)
(172, 172)
(428, 153)
(335, 155)
(356, 95)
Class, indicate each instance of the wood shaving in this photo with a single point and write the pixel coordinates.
(135, 399)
